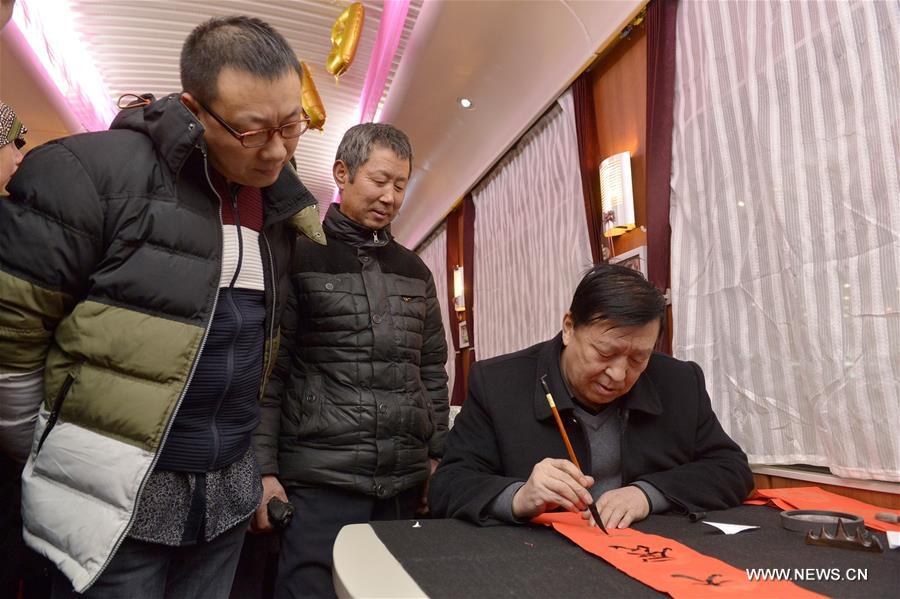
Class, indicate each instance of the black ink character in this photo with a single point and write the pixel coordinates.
(645, 553)
(710, 580)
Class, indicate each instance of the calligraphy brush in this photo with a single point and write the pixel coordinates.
(562, 431)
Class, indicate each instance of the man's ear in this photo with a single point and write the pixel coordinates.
(568, 325)
(192, 104)
(341, 174)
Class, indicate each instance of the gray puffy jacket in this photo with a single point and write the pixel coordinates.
(358, 398)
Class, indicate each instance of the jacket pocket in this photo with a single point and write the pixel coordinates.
(309, 406)
(56, 409)
(429, 411)
(423, 412)
(408, 299)
(413, 306)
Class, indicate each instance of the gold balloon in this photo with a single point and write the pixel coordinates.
(312, 103)
(344, 39)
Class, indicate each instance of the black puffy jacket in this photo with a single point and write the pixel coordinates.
(110, 258)
(358, 398)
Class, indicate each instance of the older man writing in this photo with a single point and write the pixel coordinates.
(640, 422)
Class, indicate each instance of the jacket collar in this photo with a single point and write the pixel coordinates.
(642, 397)
(339, 226)
(176, 133)
(287, 196)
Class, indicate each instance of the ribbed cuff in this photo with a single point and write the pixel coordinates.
(501, 506)
(658, 502)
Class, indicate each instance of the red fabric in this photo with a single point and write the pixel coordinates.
(814, 498)
(249, 202)
(664, 564)
(250, 208)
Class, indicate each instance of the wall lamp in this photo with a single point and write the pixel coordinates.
(616, 195)
(459, 289)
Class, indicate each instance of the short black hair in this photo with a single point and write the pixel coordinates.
(242, 43)
(617, 294)
(356, 146)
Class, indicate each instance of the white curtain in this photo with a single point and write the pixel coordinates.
(433, 253)
(531, 237)
(786, 226)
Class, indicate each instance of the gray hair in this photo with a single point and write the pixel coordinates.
(244, 43)
(356, 146)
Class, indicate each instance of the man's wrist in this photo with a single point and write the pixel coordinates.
(502, 506)
(656, 501)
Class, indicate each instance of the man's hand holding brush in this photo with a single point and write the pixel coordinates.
(553, 483)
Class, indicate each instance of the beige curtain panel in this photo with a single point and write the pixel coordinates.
(433, 253)
(531, 238)
(786, 226)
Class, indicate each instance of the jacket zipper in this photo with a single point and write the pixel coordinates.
(54, 412)
(187, 384)
(270, 357)
(214, 428)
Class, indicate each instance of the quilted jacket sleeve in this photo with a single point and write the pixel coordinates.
(433, 370)
(265, 437)
(50, 242)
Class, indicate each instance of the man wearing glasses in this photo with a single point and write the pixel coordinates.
(142, 272)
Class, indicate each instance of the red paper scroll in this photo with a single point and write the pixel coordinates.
(666, 565)
(814, 498)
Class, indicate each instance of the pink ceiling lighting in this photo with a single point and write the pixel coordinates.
(390, 29)
(393, 18)
(47, 28)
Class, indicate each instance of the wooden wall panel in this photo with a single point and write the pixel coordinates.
(460, 252)
(620, 102)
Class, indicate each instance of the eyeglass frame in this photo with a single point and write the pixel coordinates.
(270, 131)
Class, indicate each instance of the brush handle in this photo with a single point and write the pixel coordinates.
(565, 438)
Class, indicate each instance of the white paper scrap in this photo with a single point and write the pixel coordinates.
(729, 529)
(417, 525)
(893, 539)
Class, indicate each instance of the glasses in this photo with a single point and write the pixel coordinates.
(260, 137)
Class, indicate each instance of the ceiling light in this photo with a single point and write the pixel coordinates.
(465, 102)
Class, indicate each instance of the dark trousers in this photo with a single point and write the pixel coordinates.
(142, 570)
(305, 561)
